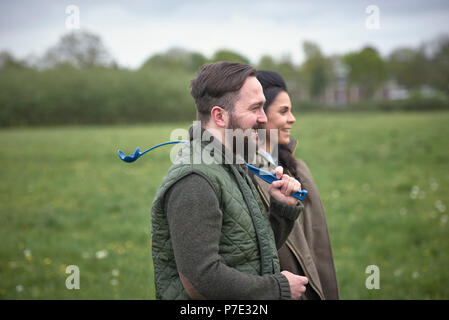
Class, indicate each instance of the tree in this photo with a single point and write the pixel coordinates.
(284, 66)
(367, 70)
(439, 69)
(196, 61)
(228, 55)
(409, 67)
(7, 60)
(266, 62)
(176, 58)
(80, 49)
(316, 69)
(287, 69)
(427, 65)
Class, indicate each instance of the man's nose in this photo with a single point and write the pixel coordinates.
(262, 117)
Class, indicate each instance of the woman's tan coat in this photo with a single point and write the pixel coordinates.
(307, 250)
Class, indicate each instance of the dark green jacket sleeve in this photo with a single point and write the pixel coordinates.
(194, 218)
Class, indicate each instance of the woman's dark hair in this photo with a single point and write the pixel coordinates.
(272, 84)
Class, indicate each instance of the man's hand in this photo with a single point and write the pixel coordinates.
(297, 284)
(286, 185)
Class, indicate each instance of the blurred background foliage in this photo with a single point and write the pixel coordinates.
(77, 81)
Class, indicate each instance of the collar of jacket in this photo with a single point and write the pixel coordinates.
(291, 146)
(265, 163)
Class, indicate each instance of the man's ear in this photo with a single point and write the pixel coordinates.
(219, 116)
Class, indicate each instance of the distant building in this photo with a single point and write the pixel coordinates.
(339, 93)
(391, 91)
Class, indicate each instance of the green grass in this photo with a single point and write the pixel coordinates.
(65, 196)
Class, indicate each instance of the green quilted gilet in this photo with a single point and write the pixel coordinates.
(247, 241)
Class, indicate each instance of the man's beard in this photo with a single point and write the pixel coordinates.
(248, 153)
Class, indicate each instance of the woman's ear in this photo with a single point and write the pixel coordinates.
(219, 116)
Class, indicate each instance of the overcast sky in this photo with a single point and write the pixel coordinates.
(133, 30)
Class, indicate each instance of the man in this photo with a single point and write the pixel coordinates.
(211, 234)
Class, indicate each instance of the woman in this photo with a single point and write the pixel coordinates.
(307, 251)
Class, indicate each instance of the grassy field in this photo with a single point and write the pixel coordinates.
(66, 199)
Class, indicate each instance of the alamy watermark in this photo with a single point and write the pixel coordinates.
(72, 21)
(373, 280)
(73, 280)
(372, 22)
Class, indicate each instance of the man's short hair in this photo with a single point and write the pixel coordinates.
(218, 84)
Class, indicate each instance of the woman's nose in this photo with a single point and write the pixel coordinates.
(291, 118)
